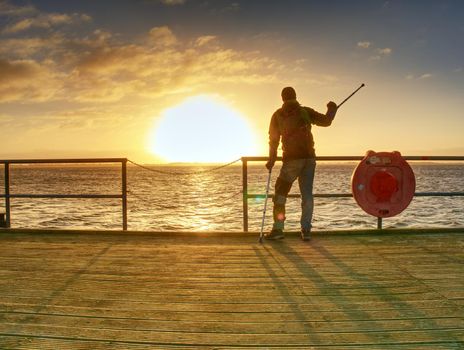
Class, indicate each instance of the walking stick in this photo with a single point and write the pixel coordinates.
(265, 206)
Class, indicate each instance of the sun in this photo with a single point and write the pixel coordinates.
(202, 129)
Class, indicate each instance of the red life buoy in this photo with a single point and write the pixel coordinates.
(383, 184)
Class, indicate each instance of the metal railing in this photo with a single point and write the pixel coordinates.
(247, 195)
(8, 195)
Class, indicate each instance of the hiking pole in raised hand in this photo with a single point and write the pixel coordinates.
(265, 206)
(346, 99)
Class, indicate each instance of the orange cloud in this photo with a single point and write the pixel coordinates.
(27, 47)
(160, 64)
(162, 36)
(19, 70)
(102, 68)
(46, 21)
(26, 80)
(203, 40)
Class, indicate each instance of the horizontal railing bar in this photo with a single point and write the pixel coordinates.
(356, 158)
(340, 158)
(440, 158)
(320, 195)
(439, 194)
(347, 195)
(62, 196)
(316, 195)
(61, 161)
(249, 159)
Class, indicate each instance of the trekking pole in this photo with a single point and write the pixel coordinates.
(346, 99)
(265, 206)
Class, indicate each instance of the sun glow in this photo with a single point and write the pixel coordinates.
(202, 129)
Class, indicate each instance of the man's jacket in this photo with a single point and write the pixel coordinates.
(292, 123)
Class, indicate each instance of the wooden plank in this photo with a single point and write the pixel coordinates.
(258, 327)
(225, 304)
(213, 338)
(315, 315)
(53, 343)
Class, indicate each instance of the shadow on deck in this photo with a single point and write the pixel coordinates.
(160, 291)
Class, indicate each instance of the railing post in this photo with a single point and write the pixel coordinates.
(7, 195)
(245, 193)
(379, 223)
(124, 194)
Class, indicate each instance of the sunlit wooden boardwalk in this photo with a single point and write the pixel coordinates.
(122, 291)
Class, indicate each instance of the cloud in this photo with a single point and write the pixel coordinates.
(19, 70)
(420, 77)
(173, 2)
(162, 36)
(22, 18)
(7, 9)
(114, 71)
(203, 40)
(385, 52)
(376, 54)
(29, 46)
(364, 44)
(426, 76)
(97, 116)
(102, 68)
(26, 80)
(46, 21)
(380, 54)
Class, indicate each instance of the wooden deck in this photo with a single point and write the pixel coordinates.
(120, 291)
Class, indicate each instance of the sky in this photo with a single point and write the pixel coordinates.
(86, 78)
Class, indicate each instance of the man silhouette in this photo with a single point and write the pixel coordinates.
(292, 124)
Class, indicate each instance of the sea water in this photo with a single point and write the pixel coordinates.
(203, 198)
